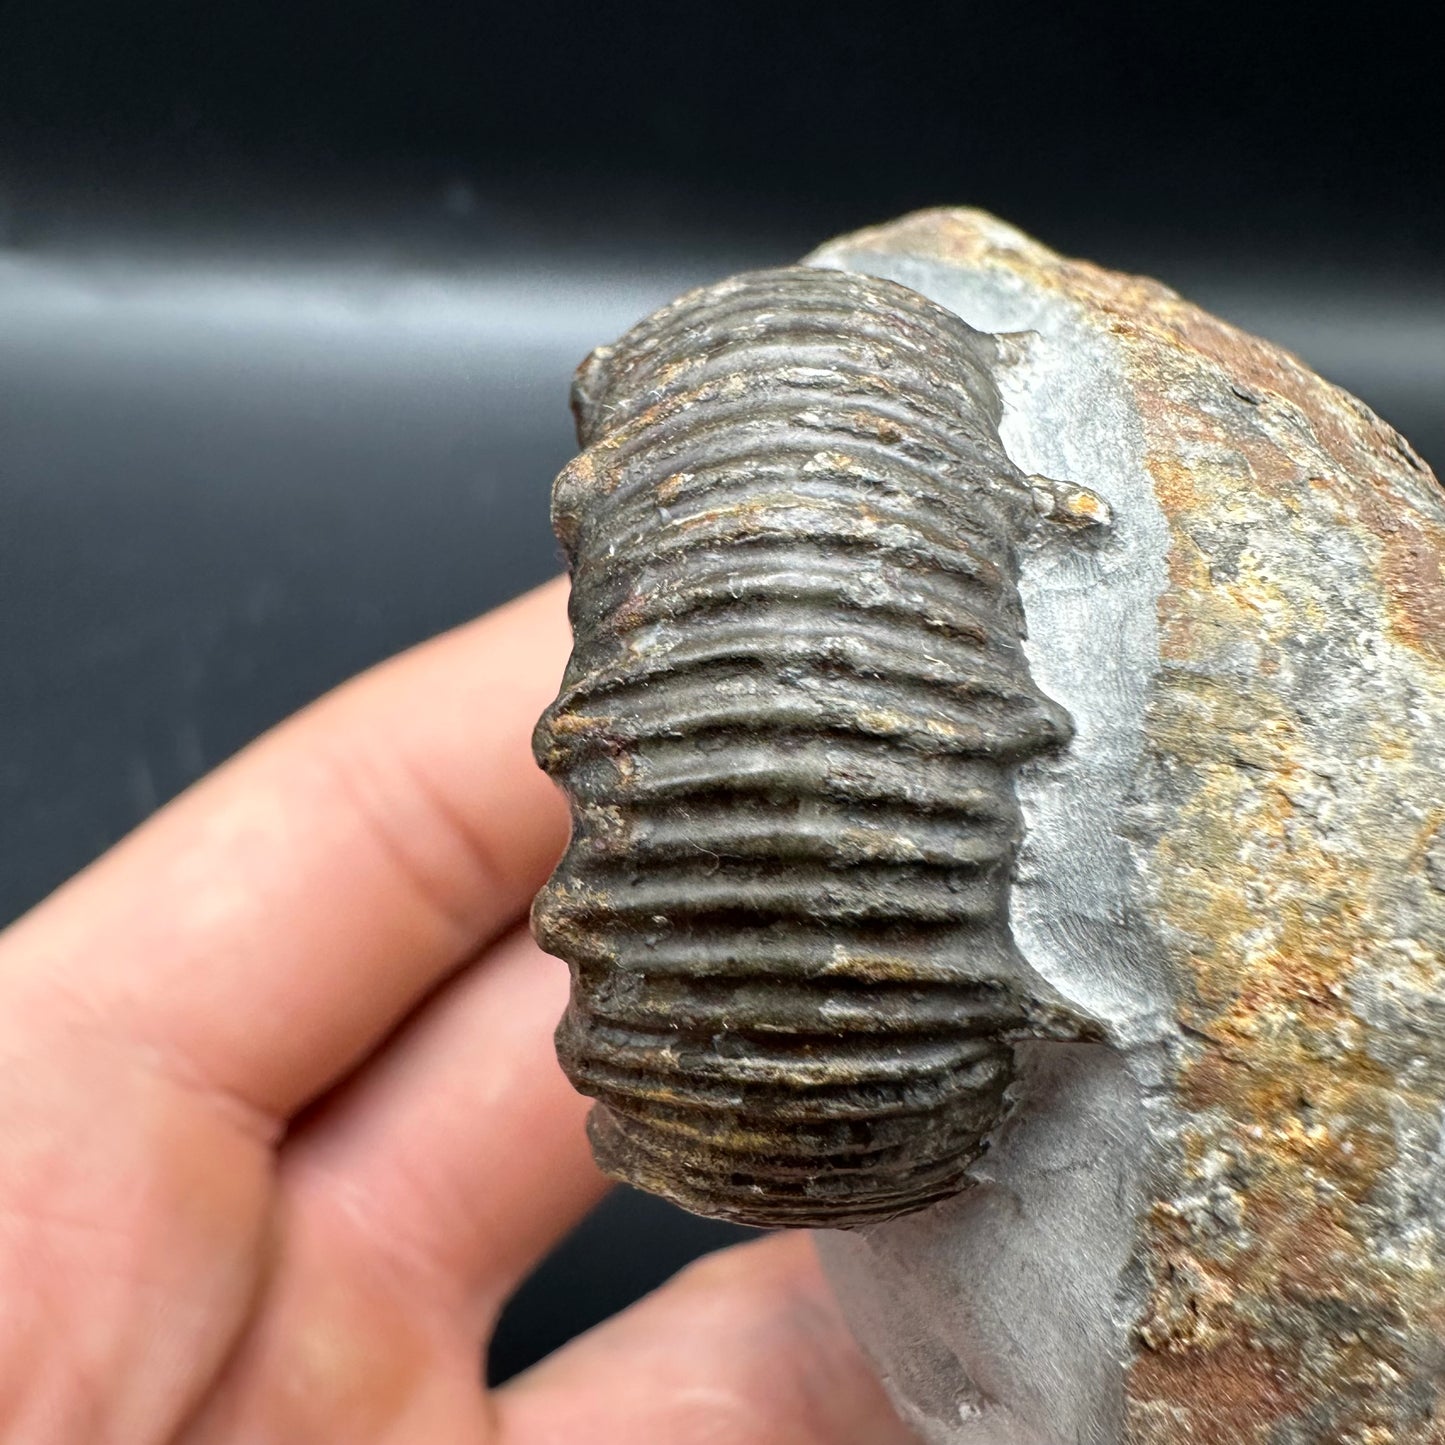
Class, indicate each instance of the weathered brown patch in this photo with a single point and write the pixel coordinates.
(1415, 586)
(1249, 1392)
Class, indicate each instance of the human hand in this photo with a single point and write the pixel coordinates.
(281, 1127)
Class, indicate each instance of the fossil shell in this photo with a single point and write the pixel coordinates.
(789, 731)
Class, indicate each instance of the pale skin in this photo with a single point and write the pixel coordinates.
(281, 1127)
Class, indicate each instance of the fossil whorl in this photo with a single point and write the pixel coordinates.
(789, 730)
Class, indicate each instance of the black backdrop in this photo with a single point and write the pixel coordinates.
(289, 297)
(1298, 127)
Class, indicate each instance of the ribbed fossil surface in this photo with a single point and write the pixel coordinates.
(789, 730)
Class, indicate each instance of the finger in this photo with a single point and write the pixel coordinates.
(462, 1146)
(262, 933)
(745, 1348)
(412, 1203)
(407, 1376)
(131, 1221)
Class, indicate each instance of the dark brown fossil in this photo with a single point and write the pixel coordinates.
(789, 731)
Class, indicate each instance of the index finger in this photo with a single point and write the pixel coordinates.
(263, 932)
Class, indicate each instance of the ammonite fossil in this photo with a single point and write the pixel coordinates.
(789, 731)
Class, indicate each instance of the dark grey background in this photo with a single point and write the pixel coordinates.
(289, 304)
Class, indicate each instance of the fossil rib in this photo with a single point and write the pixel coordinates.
(789, 730)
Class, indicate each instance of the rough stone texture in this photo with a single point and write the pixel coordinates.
(1226, 1223)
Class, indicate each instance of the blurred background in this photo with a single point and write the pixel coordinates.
(290, 297)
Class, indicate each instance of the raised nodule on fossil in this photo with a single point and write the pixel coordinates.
(789, 731)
